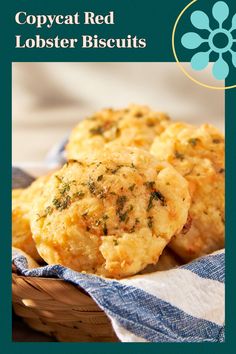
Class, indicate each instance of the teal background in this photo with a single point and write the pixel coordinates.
(154, 20)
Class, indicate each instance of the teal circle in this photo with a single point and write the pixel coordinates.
(220, 40)
(214, 36)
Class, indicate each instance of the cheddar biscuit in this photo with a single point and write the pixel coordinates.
(111, 213)
(21, 204)
(198, 154)
(134, 126)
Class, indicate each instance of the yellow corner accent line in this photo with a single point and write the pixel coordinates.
(178, 62)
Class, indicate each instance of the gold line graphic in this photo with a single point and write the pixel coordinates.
(178, 62)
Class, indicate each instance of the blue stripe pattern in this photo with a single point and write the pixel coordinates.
(209, 267)
(137, 311)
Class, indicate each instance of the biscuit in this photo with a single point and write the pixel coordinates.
(111, 213)
(198, 154)
(134, 126)
(21, 204)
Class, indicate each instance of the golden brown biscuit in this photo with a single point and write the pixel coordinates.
(21, 204)
(198, 154)
(110, 213)
(134, 126)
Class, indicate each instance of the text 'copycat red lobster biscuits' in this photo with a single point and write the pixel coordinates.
(110, 213)
(198, 154)
(134, 126)
(22, 200)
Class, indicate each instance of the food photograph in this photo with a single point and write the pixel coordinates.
(118, 200)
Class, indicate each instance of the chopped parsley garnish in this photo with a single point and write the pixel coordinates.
(134, 226)
(65, 187)
(102, 221)
(120, 202)
(48, 211)
(131, 188)
(155, 196)
(98, 130)
(150, 123)
(193, 141)
(116, 169)
(79, 195)
(216, 141)
(105, 231)
(58, 178)
(101, 194)
(91, 186)
(124, 216)
(150, 222)
(61, 203)
(150, 185)
(179, 156)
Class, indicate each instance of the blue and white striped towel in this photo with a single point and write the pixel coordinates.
(185, 304)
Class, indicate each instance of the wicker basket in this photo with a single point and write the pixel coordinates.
(60, 309)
